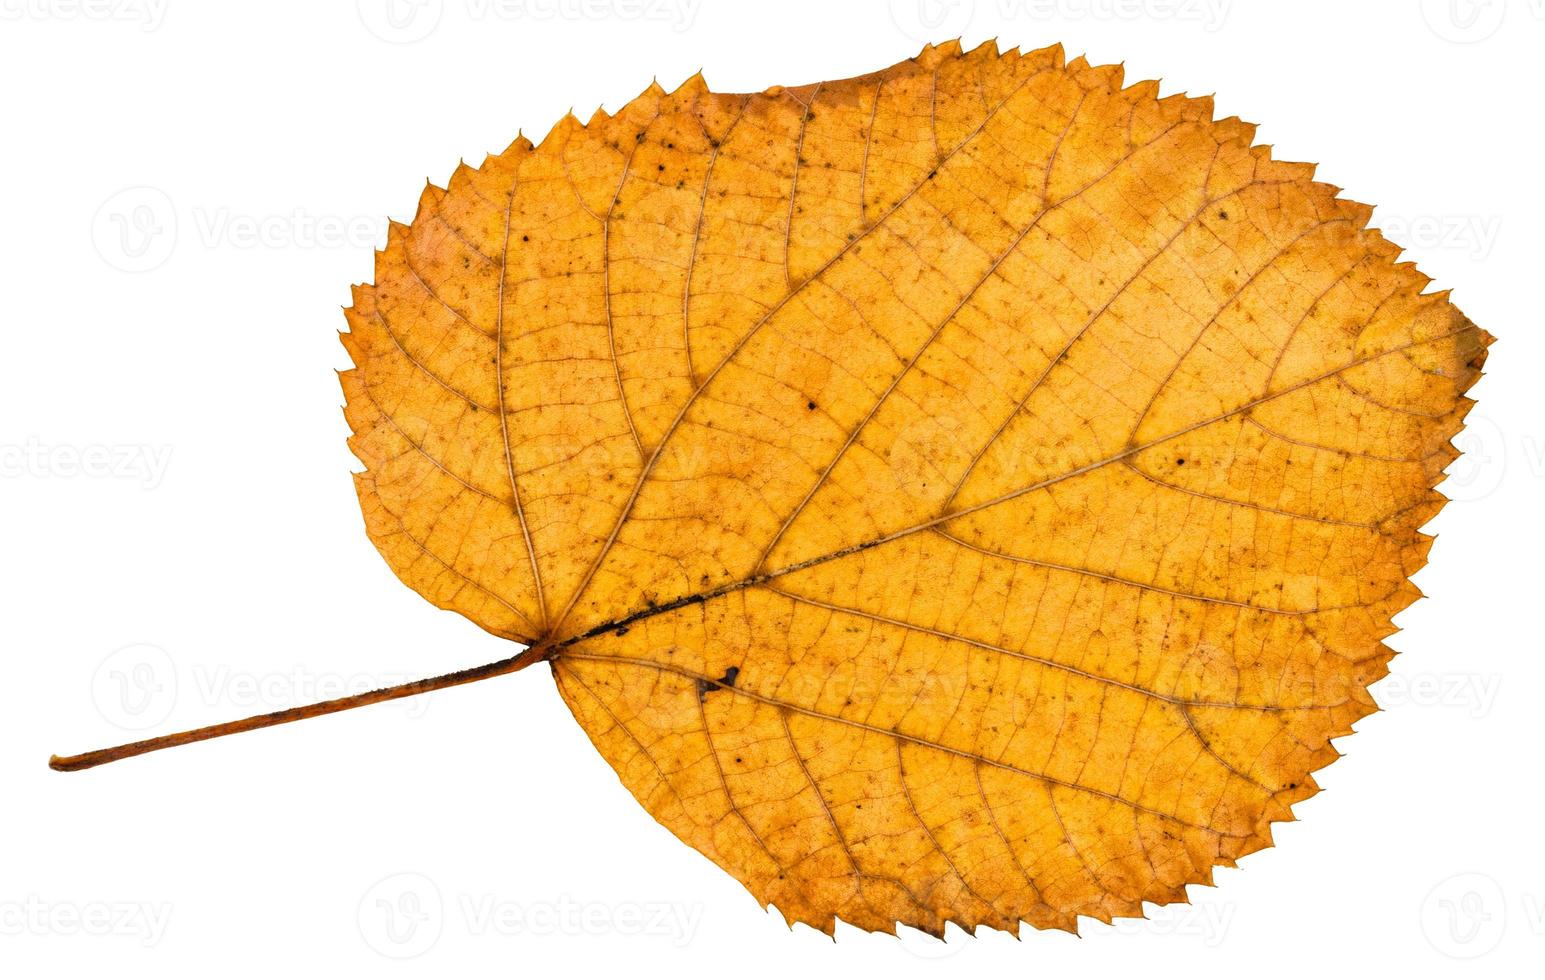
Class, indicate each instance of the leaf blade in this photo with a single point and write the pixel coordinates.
(1031, 461)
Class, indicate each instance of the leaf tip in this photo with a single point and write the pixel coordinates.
(987, 49)
(693, 84)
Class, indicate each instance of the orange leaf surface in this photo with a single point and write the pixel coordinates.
(970, 492)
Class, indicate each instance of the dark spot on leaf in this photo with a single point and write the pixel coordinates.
(728, 680)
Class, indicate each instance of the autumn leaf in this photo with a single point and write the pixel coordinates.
(972, 492)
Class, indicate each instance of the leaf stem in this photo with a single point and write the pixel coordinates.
(88, 760)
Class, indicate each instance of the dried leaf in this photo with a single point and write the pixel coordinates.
(970, 492)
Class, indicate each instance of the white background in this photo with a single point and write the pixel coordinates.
(190, 189)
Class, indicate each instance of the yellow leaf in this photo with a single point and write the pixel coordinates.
(971, 492)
